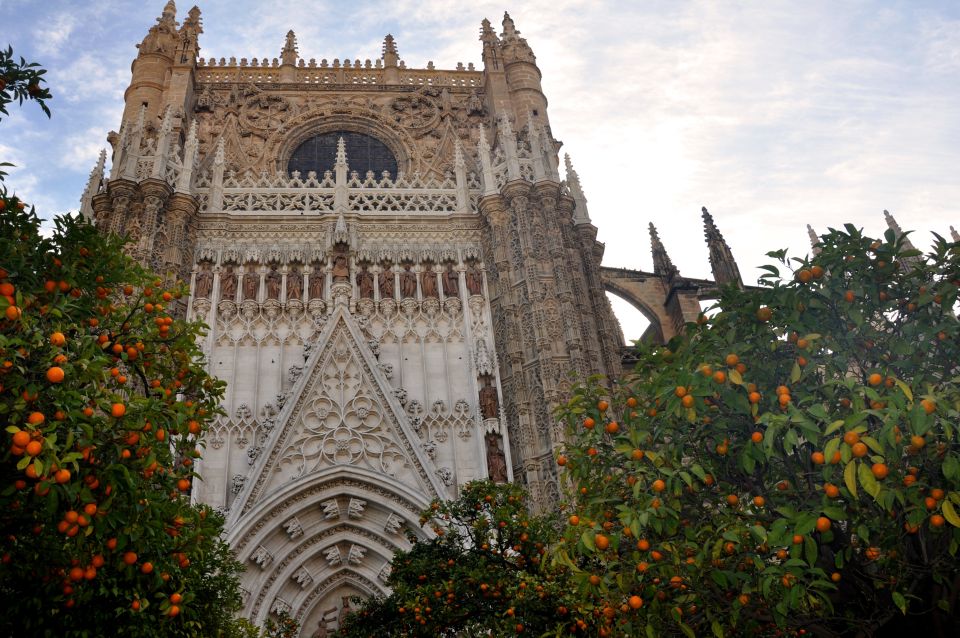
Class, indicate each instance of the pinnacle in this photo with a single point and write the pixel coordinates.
(710, 229)
(661, 260)
(389, 44)
(954, 234)
(814, 239)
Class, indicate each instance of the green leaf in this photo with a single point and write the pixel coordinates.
(900, 602)
(795, 373)
(587, 539)
(950, 513)
(850, 477)
(717, 628)
(904, 388)
(867, 480)
(833, 427)
(735, 377)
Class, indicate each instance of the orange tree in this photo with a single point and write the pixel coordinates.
(103, 399)
(479, 575)
(789, 466)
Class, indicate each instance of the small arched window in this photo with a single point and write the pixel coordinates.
(364, 153)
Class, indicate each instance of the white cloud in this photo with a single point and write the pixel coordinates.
(53, 34)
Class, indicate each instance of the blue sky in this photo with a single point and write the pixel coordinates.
(771, 114)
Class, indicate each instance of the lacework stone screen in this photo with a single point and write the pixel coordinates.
(364, 153)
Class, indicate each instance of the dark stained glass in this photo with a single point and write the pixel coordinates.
(364, 153)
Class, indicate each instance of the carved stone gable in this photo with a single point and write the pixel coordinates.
(342, 412)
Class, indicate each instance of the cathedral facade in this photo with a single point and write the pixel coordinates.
(396, 279)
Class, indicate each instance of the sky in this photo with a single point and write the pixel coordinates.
(773, 115)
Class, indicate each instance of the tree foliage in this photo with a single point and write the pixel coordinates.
(789, 464)
(480, 573)
(104, 399)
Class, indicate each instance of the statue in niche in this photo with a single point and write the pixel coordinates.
(323, 627)
(474, 280)
(474, 104)
(451, 282)
(341, 268)
(274, 280)
(365, 283)
(408, 282)
(204, 282)
(496, 459)
(385, 279)
(228, 284)
(489, 406)
(316, 282)
(251, 284)
(294, 283)
(344, 610)
(429, 282)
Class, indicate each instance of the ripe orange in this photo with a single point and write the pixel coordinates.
(659, 485)
(849, 296)
(601, 541)
(860, 450)
(823, 524)
(804, 276)
(34, 448)
(21, 438)
(36, 418)
(937, 521)
(754, 397)
(759, 501)
(687, 401)
(574, 520)
(176, 598)
(937, 493)
(173, 611)
(797, 539)
(732, 360)
(929, 406)
(589, 423)
(875, 379)
(612, 427)
(720, 376)
(58, 339)
(818, 458)
(757, 437)
(831, 490)
(55, 374)
(872, 553)
(643, 544)
(602, 406)
(764, 314)
(117, 410)
(732, 499)
(147, 567)
(635, 602)
(917, 441)
(880, 470)
(680, 391)
(130, 558)
(561, 460)
(62, 476)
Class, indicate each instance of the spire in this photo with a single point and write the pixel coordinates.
(722, 263)
(169, 12)
(189, 159)
(549, 154)
(93, 186)
(391, 57)
(814, 240)
(895, 227)
(661, 260)
(954, 234)
(288, 54)
(509, 28)
(119, 144)
(486, 166)
(580, 213)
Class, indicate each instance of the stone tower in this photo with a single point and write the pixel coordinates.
(396, 278)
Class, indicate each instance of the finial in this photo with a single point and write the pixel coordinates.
(486, 166)
(341, 228)
(220, 157)
(391, 57)
(661, 260)
(509, 29)
(580, 213)
(141, 118)
(722, 263)
(954, 234)
(895, 227)
(341, 153)
(814, 240)
(289, 52)
(458, 154)
(166, 125)
(169, 11)
(93, 186)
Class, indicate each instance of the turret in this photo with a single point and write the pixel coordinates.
(523, 75)
(152, 68)
(722, 263)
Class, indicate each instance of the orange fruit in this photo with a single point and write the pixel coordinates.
(754, 397)
(831, 490)
(574, 520)
(880, 470)
(58, 339)
(173, 611)
(561, 460)
(635, 602)
(659, 485)
(612, 427)
(589, 423)
(764, 314)
(21, 438)
(797, 539)
(687, 401)
(917, 441)
(759, 501)
(929, 406)
(601, 541)
(732, 499)
(757, 437)
(875, 379)
(851, 437)
(937, 521)
(680, 391)
(147, 567)
(176, 598)
(130, 558)
(34, 448)
(602, 406)
(720, 376)
(55, 374)
(860, 450)
(117, 410)
(818, 458)
(823, 524)
(62, 476)
(731, 360)
(937, 493)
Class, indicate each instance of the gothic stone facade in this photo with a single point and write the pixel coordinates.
(396, 279)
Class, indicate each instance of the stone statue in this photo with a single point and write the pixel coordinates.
(408, 282)
(365, 283)
(474, 280)
(251, 285)
(228, 284)
(489, 407)
(496, 460)
(341, 268)
(316, 283)
(274, 281)
(344, 610)
(429, 282)
(451, 281)
(385, 279)
(204, 282)
(294, 283)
